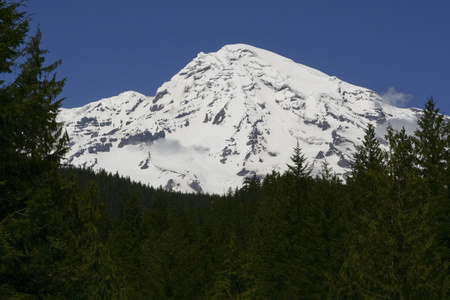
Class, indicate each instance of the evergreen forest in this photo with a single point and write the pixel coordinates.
(71, 233)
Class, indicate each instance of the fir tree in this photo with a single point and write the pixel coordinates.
(431, 142)
(96, 273)
(14, 27)
(367, 240)
(171, 260)
(300, 167)
(416, 263)
(32, 140)
(34, 242)
(298, 179)
(233, 280)
(321, 237)
(271, 247)
(49, 242)
(125, 243)
(391, 236)
(369, 157)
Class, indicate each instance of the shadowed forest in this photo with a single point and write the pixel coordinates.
(70, 233)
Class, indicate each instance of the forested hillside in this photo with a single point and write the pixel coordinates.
(69, 233)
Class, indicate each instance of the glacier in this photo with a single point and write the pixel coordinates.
(226, 115)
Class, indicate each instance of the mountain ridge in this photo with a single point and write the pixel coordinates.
(225, 115)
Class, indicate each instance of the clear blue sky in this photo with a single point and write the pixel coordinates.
(111, 46)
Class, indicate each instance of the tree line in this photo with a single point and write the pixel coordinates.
(69, 233)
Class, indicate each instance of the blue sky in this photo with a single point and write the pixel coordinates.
(400, 48)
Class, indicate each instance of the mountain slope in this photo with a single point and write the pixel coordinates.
(224, 116)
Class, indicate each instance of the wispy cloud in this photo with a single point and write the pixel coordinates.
(393, 97)
(167, 146)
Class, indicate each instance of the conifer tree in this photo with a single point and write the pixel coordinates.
(369, 157)
(321, 237)
(40, 219)
(33, 240)
(367, 238)
(35, 245)
(32, 140)
(298, 179)
(300, 167)
(96, 274)
(391, 236)
(14, 27)
(125, 244)
(233, 280)
(416, 263)
(170, 260)
(270, 247)
(431, 142)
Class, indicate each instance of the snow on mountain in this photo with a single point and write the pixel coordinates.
(227, 115)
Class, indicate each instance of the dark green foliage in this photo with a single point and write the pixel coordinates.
(300, 165)
(368, 221)
(69, 233)
(391, 236)
(234, 280)
(271, 246)
(34, 242)
(125, 242)
(369, 157)
(285, 237)
(431, 141)
(432, 145)
(13, 28)
(291, 236)
(49, 244)
(172, 265)
(90, 267)
(31, 146)
(322, 230)
(33, 246)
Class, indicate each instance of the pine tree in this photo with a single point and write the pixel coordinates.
(14, 26)
(171, 259)
(32, 140)
(35, 246)
(298, 180)
(95, 273)
(431, 142)
(391, 237)
(415, 260)
(233, 280)
(271, 246)
(36, 207)
(366, 268)
(125, 243)
(300, 167)
(369, 156)
(321, 237)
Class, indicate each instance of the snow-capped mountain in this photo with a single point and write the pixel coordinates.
(224, 116)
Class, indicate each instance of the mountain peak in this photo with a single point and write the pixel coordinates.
(224, 116)
(244, 49)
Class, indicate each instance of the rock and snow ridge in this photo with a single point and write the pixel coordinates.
(226, 115)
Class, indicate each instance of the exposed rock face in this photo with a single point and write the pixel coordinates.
(226, 115)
